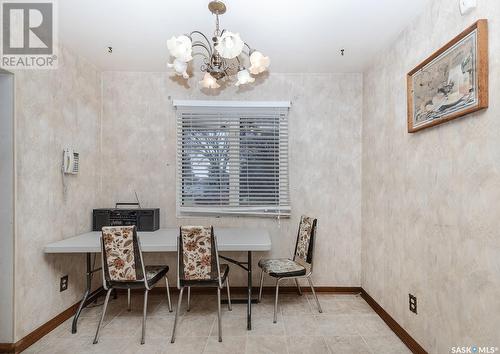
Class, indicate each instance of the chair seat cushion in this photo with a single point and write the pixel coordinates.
(224, 271)
(282, 267)
(154, 273)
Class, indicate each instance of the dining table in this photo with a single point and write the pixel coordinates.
(229, 239)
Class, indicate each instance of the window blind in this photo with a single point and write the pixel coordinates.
(232, 158)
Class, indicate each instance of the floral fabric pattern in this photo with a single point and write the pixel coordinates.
(119, 250)
(281, 266)
(197, 252)
(304, 238)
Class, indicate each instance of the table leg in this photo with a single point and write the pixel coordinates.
(85, 294)
(249, 284)
(247, 266)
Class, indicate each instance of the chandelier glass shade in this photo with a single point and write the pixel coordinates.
(224, 57)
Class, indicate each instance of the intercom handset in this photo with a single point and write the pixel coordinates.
(71, 161)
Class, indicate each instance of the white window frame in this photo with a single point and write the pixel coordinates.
(283, 208)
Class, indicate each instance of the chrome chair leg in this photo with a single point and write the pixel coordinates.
(128, 300)
(229, 307)
(177, 314)
(275, 319)
(314, 294)
(189, 300)
(219, 315)
(144, 310)
(261, 281)
(96, 338)
(298, 287)
(168, 295)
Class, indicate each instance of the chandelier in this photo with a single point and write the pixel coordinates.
(223, 57)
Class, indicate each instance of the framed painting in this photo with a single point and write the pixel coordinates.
(452, 82)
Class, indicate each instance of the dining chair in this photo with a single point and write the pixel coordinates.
(198, 266)
(300, 266)
(123, 268)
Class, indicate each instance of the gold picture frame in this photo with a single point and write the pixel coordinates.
(452, 82)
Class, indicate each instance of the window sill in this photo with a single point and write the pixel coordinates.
(217, 214)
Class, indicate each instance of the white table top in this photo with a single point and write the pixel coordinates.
(165, 240)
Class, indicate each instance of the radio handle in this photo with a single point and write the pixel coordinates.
(126, 204)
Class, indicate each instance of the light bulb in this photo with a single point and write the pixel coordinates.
(209, 81)
(180, 68)
(244, 77)
(229, 45)
(181, 48)
(259, 62)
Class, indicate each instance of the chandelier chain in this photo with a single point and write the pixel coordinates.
(217, 31)
(221, 59)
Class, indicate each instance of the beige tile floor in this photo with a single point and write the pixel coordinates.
(347, 325)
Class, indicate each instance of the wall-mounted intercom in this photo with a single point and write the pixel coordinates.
(71, 162)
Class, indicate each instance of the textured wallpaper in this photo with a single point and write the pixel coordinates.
(131, 148)
(54, 110)
(139, 148)
(430, 200)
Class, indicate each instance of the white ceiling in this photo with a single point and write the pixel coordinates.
(299, 36)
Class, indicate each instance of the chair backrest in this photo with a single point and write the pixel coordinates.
(121, 254)
(304, 248)
(197, 254)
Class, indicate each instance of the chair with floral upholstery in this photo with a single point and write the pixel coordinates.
(123, 268)
(198, 266)
(301, 266)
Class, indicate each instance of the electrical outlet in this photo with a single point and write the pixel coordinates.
(412, 303)
(63, 285)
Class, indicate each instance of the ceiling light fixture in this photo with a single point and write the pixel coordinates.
(222, 57)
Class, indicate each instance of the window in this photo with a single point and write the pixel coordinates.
(232, 158)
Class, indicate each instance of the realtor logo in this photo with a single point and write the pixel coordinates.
(28, 35)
